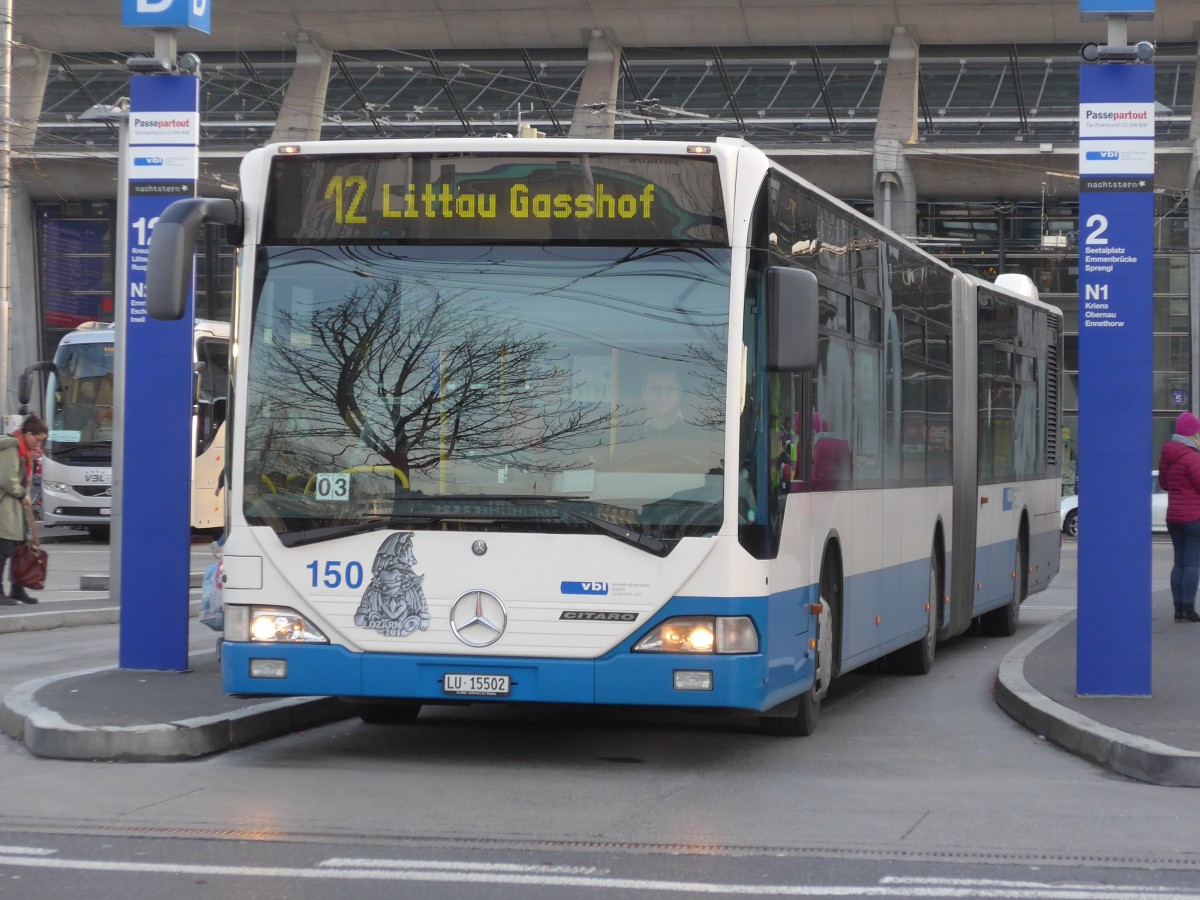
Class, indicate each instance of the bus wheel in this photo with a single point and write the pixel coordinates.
(802, 721)
(1003, 622)
(387, 713)
(917, 657)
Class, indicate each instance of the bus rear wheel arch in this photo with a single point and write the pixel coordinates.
(1003, 622)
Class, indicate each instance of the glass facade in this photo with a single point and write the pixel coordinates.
(76, 247)
(776, 97)
(773, 96)
(75, 276)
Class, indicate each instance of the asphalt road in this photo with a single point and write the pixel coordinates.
(911, 787)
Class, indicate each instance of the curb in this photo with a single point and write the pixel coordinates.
(67, 618)
(47, 734)
(1126, 754)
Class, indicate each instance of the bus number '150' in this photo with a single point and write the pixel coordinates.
(336, 574)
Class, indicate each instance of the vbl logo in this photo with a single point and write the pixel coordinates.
(591, 588)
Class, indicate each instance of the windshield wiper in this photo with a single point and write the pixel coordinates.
(313, 535)
(330, 532)
(71, 449)
(620, 532)
(628, 535)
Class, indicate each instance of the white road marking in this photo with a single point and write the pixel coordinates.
(344, 863)
(26, 851)
(1023, 885)
(459, 875)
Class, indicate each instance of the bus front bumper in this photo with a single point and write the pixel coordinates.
(624, 678)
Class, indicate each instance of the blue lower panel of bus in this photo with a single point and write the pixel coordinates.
(621, 677)
(737, 681)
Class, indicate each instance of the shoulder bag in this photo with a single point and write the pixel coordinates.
(29, 559)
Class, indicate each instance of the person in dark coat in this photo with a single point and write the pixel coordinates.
(16, 474)
(1179, 476)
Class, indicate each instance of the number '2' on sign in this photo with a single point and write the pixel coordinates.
(333, 486)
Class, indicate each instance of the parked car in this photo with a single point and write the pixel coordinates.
(1068, 509)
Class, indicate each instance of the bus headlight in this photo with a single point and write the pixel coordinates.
(270, 624)
(55, 487)
(701, 634)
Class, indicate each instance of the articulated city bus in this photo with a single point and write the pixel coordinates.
(606, 422)
(78, 408)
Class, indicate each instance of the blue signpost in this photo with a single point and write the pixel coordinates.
(152, 465)
(1116, 275)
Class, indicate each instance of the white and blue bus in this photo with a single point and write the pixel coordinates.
(602, 422)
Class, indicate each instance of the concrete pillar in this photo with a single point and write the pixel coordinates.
(595, 114)
(895, 186)
(303, 108)
(30, 70)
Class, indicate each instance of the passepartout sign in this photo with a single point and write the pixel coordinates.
(1116, 120)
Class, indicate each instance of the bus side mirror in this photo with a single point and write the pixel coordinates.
(792, 305)
(173, 251)
(25, 383)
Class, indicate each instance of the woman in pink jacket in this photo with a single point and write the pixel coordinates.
(1179, 476)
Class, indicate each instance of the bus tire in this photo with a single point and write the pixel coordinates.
(917, 657)
(1003, 622)
(387, 713)
(802, 720)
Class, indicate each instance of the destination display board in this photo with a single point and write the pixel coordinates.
(494, 198)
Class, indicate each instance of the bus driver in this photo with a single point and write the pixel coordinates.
(666, 441)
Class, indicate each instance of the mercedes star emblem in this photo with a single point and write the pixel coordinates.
(478, 618)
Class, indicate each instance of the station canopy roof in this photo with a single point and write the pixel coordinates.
(775, 97)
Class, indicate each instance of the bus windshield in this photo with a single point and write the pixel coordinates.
(80, 392)
(500, 387)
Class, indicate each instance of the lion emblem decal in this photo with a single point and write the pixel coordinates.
(393, 603)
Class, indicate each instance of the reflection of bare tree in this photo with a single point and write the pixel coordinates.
(406, 373)
(707, 368)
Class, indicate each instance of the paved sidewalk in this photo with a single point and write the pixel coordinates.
(1154, 739)
(128, 715)
(77, 586)
(114, 714)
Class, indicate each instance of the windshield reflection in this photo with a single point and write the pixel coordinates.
(438, 386)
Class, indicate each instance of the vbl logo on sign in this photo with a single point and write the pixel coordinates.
(166, 14)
